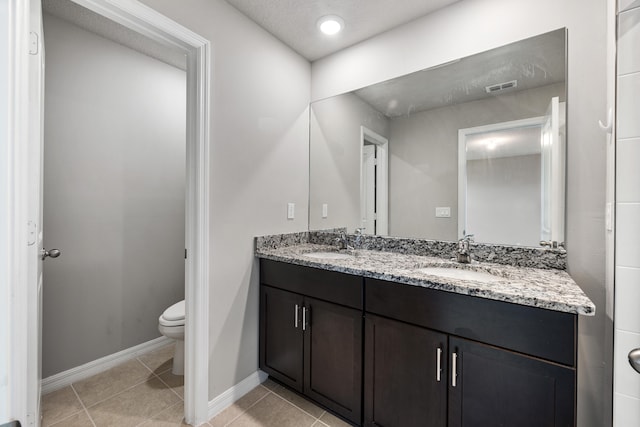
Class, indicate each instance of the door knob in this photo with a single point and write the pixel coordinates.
(53, 253)
(634, 359)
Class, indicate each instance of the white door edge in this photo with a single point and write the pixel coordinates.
(15, 278)
(382, 177)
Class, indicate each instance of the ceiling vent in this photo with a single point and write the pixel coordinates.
(501, 86)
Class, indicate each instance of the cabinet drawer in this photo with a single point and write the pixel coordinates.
(340, 288)
(542, 333)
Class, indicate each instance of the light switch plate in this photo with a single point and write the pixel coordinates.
(443, 212)
(325, 210)
(291, 210)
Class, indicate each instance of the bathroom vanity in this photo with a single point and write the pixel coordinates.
(382, 339)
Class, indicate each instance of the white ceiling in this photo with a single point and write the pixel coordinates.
(294, 21)
(533, 62)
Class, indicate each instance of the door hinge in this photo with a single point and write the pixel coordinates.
(185, 254)
(34, 45)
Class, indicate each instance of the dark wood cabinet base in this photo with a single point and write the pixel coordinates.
(384, 354)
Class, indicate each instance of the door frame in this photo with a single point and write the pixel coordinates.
(382, 178)
(148, 22)
(462, 159)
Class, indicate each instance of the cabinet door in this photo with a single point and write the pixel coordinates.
(281, 337)
(496, 387)
(403, 385)
(333, 357)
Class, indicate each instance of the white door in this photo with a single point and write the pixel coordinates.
(552, 161)
(368, 190)
(34, 263)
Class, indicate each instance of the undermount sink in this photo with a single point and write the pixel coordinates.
(461, 274)
(328, 255)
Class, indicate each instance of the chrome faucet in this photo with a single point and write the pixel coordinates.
(358, 234)
(343, 241)
(463, 254)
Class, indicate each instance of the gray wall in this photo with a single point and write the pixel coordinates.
(423, 164)
(259, 162)
(470, 27)
(114, 174)
(503, 200)
(334, 160)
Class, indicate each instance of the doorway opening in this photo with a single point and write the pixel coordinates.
(145, 22)
(374, 184)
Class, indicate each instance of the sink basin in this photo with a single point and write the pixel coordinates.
(328, 255)
(461, 274)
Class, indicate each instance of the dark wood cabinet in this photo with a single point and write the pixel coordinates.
(405, 375)
(333, 357)
(496, 387)
(411, 331)
(313, 345)
(282, 344)
(385, 354)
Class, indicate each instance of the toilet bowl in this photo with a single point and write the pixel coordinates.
(171, 325)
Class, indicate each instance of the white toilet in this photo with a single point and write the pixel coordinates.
(171, 325)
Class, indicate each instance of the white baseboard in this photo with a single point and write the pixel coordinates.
(227, 398)
(63, 379)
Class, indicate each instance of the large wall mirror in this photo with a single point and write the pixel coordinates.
(473, 146)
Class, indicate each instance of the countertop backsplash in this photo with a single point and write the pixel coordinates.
(517, 256)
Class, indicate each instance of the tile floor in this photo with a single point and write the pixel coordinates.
(143, 392)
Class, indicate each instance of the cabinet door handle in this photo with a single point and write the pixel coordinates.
(295, 321)
(304, 318)
(454, 369)
(438, 364)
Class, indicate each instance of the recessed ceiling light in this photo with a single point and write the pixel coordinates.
(330, 24)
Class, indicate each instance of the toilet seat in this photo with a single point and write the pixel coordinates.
(174, 315)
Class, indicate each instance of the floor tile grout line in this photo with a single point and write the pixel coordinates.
(151, 417)
(180, 401)
(169, 387)
(85, 408)
(67, 416)
(58, 421)
(116, 394)
(138, 358)
(83, 405)
(296, 406)
(143, 364)
(245, 410)
(145, 379)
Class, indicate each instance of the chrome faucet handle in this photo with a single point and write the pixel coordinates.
(342, 240)
(359, 235)
(463, 254)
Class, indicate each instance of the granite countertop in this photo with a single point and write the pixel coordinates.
(544, 288)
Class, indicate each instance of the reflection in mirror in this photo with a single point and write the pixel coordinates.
(408, 127)
(506, 174)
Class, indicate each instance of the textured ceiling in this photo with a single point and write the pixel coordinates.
(97, 24)
(294, 21)
(533, 62)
